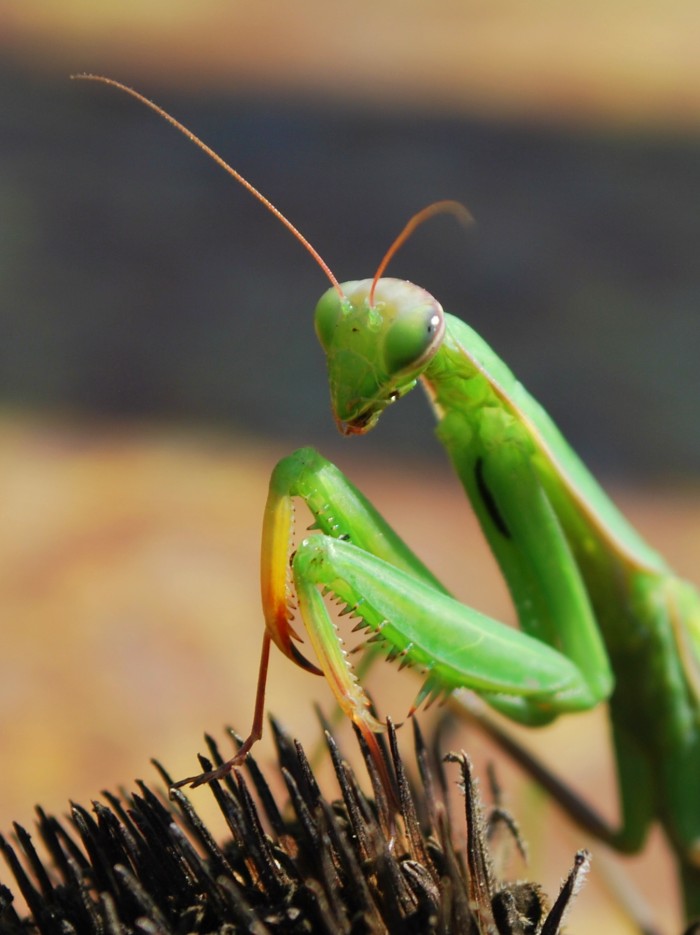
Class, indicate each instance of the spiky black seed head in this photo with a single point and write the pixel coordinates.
(149, 864)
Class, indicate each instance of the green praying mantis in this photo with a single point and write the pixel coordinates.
(602, 617)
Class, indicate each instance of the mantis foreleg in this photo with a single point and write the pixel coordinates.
(367, 566)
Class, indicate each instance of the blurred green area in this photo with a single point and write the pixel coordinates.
(137, 281)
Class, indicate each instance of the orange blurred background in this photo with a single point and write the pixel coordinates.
(158, 354)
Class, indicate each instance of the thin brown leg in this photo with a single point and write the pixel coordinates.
(255, 730)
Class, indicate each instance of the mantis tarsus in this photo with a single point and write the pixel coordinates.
(601, 615)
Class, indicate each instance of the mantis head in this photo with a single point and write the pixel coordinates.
(379, 335)
(378, 339)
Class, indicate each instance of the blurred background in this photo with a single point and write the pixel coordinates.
(156, 340)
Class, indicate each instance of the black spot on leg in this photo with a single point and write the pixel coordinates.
(488, 500)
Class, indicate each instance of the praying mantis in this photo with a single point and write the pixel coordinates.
(602, 617)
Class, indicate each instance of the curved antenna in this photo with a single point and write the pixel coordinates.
(224, 165)
(437, 207)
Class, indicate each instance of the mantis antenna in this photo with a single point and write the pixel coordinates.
(437, 207)
(224, 165)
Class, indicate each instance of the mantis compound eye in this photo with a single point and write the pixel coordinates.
(329, 312)
(413, 337)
